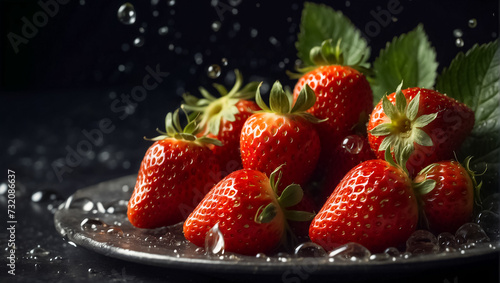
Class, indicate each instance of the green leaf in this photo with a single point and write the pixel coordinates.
(382, 130)
(305, 100)
(291, 195)
(413, 107)
(389, 108)
(260, 102)
(319, 23)
(424, 187)
(474, 79)
(278, 99)
(409, 57)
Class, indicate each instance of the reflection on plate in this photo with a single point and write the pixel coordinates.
(95, 218)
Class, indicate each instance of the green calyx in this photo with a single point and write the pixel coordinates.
(281, 102)
(290, 196)
(328, 53)
(213, 109)
(405, 127)
(175, 130)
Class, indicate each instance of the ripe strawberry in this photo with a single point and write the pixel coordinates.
(222, 118)
(282, 134)
(250, 215)
(429, 125)
(344, 96)
(374, 205)
(176, 172)
(447, 198)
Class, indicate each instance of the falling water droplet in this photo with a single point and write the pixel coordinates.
(126, 14)
(163, 30)
(472, 23)
(216, 26)
(139, 41)
(459, 42)
(224, 62)
(213, 71)
(458, 33)
(214, 241)
(171, 2)
(45, 195)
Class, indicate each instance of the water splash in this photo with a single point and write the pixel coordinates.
(214, 241)
(45, 195)
(126, 14)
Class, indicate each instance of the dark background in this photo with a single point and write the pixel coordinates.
(66, 78)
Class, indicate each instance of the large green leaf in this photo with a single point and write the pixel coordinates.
(410, 59)
(474, 79)
(319, 23)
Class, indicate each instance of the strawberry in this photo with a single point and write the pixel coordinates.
(344, 100)
(282, 134)
(374, 205)
(175, 173)
(447, 198)
(429, 125)
(344, 96)
(250, 215)
(222, 118)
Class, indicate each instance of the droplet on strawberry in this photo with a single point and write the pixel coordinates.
(175, 173)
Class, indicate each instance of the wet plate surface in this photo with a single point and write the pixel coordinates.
(95, 218)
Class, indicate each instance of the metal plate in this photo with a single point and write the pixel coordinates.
(95, 218)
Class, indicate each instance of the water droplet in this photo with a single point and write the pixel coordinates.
(154, 2)
(347, 3)
(92, 271)
(490, 222)
(82, 2)
(459, 42)
(224, 62)
(213, 71)
(56, 258)
(353, 144)
(139, 41)
(447, 242)
(163, 30)
(392, 251)
(472, 23)
(309, 249)
(235, 3)
(198, 58)
(126, 14)
(171, 2)
(118, 206)
(422, 242)
(457, 33)
(38, 251)
(84, 204)
(45, 195)
(113, 230)
(93, 225)
(142, 30)
(254, 32)
(216, 26)
(350, 252)
(273, 40)
(214, 241)
(470, 234)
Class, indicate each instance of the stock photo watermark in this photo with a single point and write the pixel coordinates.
(381, 18)
(95, 137)
(30, 27)
(11, 222)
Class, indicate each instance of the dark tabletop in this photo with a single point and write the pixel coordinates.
(69, 119)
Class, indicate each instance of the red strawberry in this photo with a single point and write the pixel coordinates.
(447, 198)
(282, 134)
(344, 96)
(353, 150)
(374, 205)
(250, 215)
(176, 172)
(429, 125)
(222, 118)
